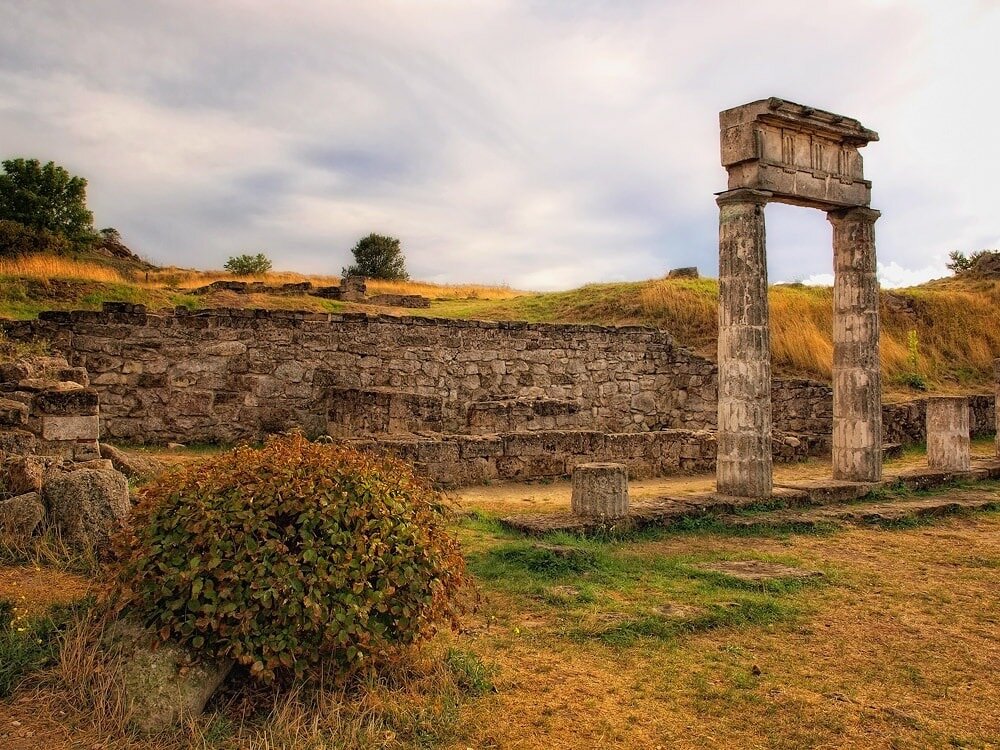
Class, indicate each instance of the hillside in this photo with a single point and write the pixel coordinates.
(944, 334)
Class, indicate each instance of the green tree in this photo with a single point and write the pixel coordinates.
(248, 265)
(45, 198)
(378, 257)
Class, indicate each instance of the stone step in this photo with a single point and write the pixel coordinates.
(868, 513)
(805, 503)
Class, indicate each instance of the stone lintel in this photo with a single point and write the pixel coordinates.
(799, 117)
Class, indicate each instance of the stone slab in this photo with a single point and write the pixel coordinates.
(70, 428)
(827, 491)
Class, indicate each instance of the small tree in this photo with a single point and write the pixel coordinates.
(378, 257)
(45, 198)
(248, 265)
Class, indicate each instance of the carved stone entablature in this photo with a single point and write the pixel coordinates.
(802, 155)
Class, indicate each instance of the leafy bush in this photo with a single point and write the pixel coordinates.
(378, 257)
(291, 554)
(17, 239)
(248, 265)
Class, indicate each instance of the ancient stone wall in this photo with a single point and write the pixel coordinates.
(456, 460)
(225, 375)
(232, 374)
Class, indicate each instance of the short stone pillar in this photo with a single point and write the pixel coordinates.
(600, 489)
(353, 288)
(996, 403)
(744, 429)
(857, 379)
(948, 433)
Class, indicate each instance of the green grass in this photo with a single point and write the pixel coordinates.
(620, 593)
(28, 644)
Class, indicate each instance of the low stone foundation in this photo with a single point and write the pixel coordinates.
(459, 460)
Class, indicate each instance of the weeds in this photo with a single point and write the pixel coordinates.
(29, 643)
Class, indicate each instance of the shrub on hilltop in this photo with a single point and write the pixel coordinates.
(378, 256)
(248, 265)
(291, 554)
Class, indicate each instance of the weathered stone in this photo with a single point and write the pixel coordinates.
(857, 380)
(781, 151)
(164, 682)
(21, 515)
(996, 409)
(948, 433)
(688, 272)
(132, 465)
(87, 505)
(70, 428)
(23, 474)
(802, 155)
(18, 443)
(744, 424)
(37, 385)
(78, 401)
(600, 489)
(12, 413)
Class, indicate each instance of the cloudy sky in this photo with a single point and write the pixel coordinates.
(540, 143)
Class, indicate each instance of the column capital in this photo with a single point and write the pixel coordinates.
(854, 213)
(743, 195)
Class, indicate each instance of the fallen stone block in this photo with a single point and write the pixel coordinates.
(164, 683)
(88, 505)
(132, 465)
(21, 515)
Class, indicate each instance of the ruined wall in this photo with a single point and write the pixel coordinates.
(232, 374)
(457, 460)
(225, 375)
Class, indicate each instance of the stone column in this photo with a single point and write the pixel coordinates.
(996, 404)
(857, 377)
(744, 429)
(948, 433)
(600, 489)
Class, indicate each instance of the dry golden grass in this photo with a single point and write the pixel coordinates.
(191, 279)
(59, 267)
(896, 650)
(443, 291)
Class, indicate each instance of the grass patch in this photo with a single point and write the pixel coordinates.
(661, 627)
(471, 674)
(29, 643)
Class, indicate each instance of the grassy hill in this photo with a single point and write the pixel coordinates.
(944, 333)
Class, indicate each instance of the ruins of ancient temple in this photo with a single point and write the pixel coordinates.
(778, 151)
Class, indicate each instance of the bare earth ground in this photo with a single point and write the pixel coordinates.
(895, 646)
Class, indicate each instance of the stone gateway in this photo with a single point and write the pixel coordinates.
(774, 150)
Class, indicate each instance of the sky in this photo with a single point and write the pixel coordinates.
(542, 144)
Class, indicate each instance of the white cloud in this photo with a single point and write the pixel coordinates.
(538, 143)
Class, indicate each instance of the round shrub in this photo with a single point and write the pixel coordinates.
(284, 556)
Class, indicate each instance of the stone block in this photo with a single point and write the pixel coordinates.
(600, 489)
(12, 413)
(18, 442)
(88, 505)
(55, 428)
(59, 401)
(948, 445)
(21, 515)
